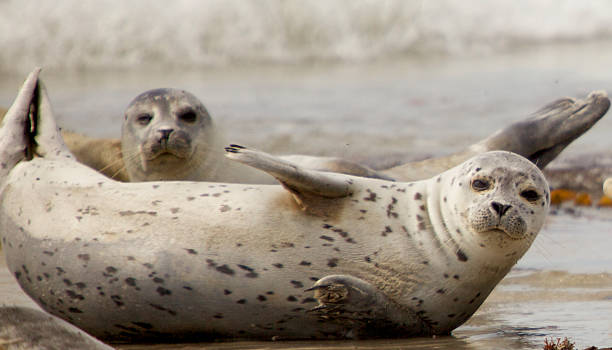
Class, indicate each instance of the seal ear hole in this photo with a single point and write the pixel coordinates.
(188, 117)
(530, 195)
(480, 184)
(144, 119)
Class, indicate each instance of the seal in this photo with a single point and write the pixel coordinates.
(325, 255)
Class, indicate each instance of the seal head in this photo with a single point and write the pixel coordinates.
(501, 199)
(166, 134)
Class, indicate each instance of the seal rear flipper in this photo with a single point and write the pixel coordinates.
(15, 133)
(29, 128)
(300, 181)
(47, 135)
(547, 132)
(353, 301)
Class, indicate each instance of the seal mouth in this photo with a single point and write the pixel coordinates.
(166, 154)
(501, 230)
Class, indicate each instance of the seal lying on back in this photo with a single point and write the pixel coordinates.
(324, 256)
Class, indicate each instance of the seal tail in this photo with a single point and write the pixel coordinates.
(28, 129)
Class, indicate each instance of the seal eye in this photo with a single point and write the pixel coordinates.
(481, 184)
(530, 195)
(188, 117)
(144, 119)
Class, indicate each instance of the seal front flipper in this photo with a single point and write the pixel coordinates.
(365, 309)
(298, 180)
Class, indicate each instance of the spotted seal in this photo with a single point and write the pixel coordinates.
(325, 255)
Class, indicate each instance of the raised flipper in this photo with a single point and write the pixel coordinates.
(29, 129)
(16, 127)
(298, 180)
(543, 135)
(351, 300)
(48, 138)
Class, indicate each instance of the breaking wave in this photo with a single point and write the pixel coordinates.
(77, 34)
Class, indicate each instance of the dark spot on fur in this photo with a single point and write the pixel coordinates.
(305, 263)
(327, 238)
(161, 308)
(456, 277)
(241, 301)
(297, 284)
(251, 274)
(278, 265)
(148, 265)
(461, 256)
(74, 310)
(158, 280)
(292, 299)
(261, 298)
(333, 262)
(130, 281)
(117, 300)
(72, 295)
(48, 253)
(309, 300)
(440, 291)
(422, 226)
(218, 316)
(225, 269)
(111, 269)
(163, 291)
(371, 197)
(187, 288)
(67, 282)
(418, 196)
(191, 251)
(143, 325)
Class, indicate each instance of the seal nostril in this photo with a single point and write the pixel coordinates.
(165, 133)
(499, 208)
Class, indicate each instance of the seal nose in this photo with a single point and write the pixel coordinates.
(165, 134)
(499, 208)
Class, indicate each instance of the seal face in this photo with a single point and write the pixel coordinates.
(499, 195)
(167, 134)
